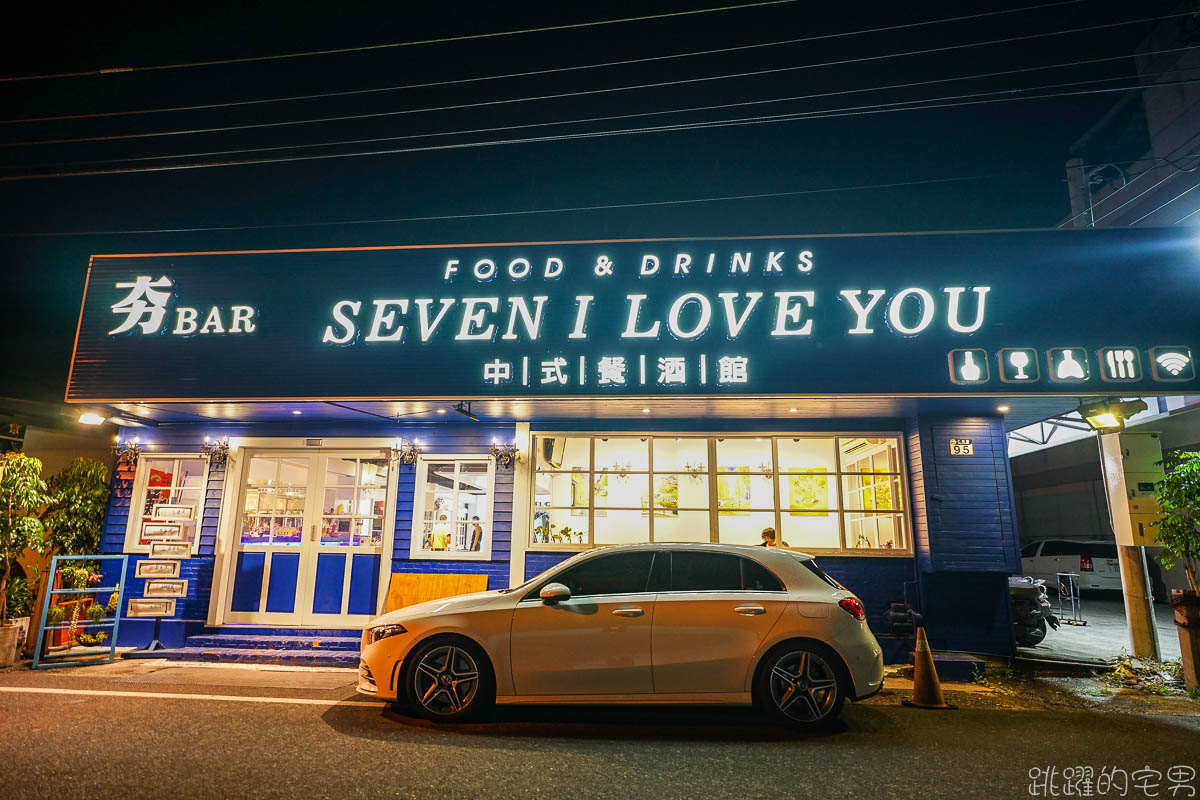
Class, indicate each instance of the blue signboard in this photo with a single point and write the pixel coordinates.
(1054, 312)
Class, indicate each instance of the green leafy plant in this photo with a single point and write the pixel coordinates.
(56, 614)
(23, 493)
(1178, 522)
(92, 639)
(74, 516)
(18, 598)
(95, 612)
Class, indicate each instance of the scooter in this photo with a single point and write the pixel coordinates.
(1031, 610)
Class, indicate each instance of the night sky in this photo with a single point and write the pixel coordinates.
(1018, 148)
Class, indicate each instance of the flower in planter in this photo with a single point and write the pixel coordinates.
(111, 608)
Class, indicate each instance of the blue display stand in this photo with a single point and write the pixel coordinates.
(50, 660)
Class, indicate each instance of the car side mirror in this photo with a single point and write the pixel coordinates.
(553, 592)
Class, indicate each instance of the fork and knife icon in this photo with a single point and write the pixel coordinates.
(1121, 363)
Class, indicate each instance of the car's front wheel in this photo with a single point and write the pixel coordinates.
(449, 680)
(799, 685)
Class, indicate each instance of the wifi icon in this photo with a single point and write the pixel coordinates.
(1173, 364)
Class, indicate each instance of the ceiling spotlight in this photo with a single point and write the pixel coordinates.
(464, 408)
(793, 410)
(441, 411)
(1002, 409)
(645, 411)
(297, 412)
(90, 418)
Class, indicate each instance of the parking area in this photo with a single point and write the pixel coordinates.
(1105, 636)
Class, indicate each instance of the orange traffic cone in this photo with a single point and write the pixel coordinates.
(927, 689)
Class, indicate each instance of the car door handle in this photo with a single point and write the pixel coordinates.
(749, 611)
(627, 612)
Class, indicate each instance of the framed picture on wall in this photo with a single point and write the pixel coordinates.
(157, 569)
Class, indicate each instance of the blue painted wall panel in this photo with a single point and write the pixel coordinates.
(281, 586)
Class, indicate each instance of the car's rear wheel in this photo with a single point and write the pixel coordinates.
(799, 685)
(449, 680)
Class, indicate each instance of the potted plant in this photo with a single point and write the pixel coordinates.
(1178, 526)
(22, 495)
(19, 601)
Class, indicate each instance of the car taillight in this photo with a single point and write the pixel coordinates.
(1085, 564)
(854, 607)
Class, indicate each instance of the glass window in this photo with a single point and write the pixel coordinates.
(355, 493)
(619, 573)
(819, 492)
(452, 515)
(172, 501)
(273, 508)
(1029, 550)
(700, 571)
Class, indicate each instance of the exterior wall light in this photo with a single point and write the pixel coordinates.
(1109, 416)
(406, 452)
(127, 452)
(216, 452)
(505, 454)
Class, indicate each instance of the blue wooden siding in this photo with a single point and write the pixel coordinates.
(967, 520)
(463, 440)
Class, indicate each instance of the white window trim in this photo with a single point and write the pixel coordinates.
(137, 500)
(908, 551)
(418, 513)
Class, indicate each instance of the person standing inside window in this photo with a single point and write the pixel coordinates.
(771, 539)
(476, 533)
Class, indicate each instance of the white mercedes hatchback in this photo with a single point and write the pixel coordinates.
(648, 623)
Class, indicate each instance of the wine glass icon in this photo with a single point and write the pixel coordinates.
(1020, 360)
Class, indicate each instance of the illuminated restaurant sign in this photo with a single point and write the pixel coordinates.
(1011, 312)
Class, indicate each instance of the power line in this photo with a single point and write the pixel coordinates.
(523, 212)
(531, 73)
(737, 122)
(1189, 190)
(611, 117)
(389, 45)
(581, 93)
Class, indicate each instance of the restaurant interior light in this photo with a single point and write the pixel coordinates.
(1109, 416)
(90, 418)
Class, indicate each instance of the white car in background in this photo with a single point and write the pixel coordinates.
(1094, 560)
(648, 623)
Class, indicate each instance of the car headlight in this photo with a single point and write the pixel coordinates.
(384, 631)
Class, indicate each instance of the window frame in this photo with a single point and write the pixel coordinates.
(903, 511)
(484, 553)
(137, 499)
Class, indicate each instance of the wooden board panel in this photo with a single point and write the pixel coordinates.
(410, 588)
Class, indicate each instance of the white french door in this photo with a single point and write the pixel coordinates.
(312, 535)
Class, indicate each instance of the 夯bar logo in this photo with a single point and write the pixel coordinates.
(145, 307)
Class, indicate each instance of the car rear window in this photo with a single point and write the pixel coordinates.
(706, 571)
(1098, 550)
(812, 567)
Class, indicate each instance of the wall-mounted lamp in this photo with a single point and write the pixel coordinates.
(216, 452)
(127, 452)
(506, 454)
(406, 452)
(464, 408)
(1109, 416)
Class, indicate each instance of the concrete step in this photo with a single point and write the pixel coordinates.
(243, 655)
(248, 642)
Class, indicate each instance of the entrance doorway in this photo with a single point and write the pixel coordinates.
(312, 528)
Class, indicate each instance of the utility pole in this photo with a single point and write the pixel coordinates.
(1129, 515)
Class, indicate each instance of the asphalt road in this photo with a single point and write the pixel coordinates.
(72, 744)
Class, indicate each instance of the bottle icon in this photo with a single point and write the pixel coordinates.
(1068, 368)
(969, 370)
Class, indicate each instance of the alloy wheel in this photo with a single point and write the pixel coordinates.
(446, 680)
(803, 686)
